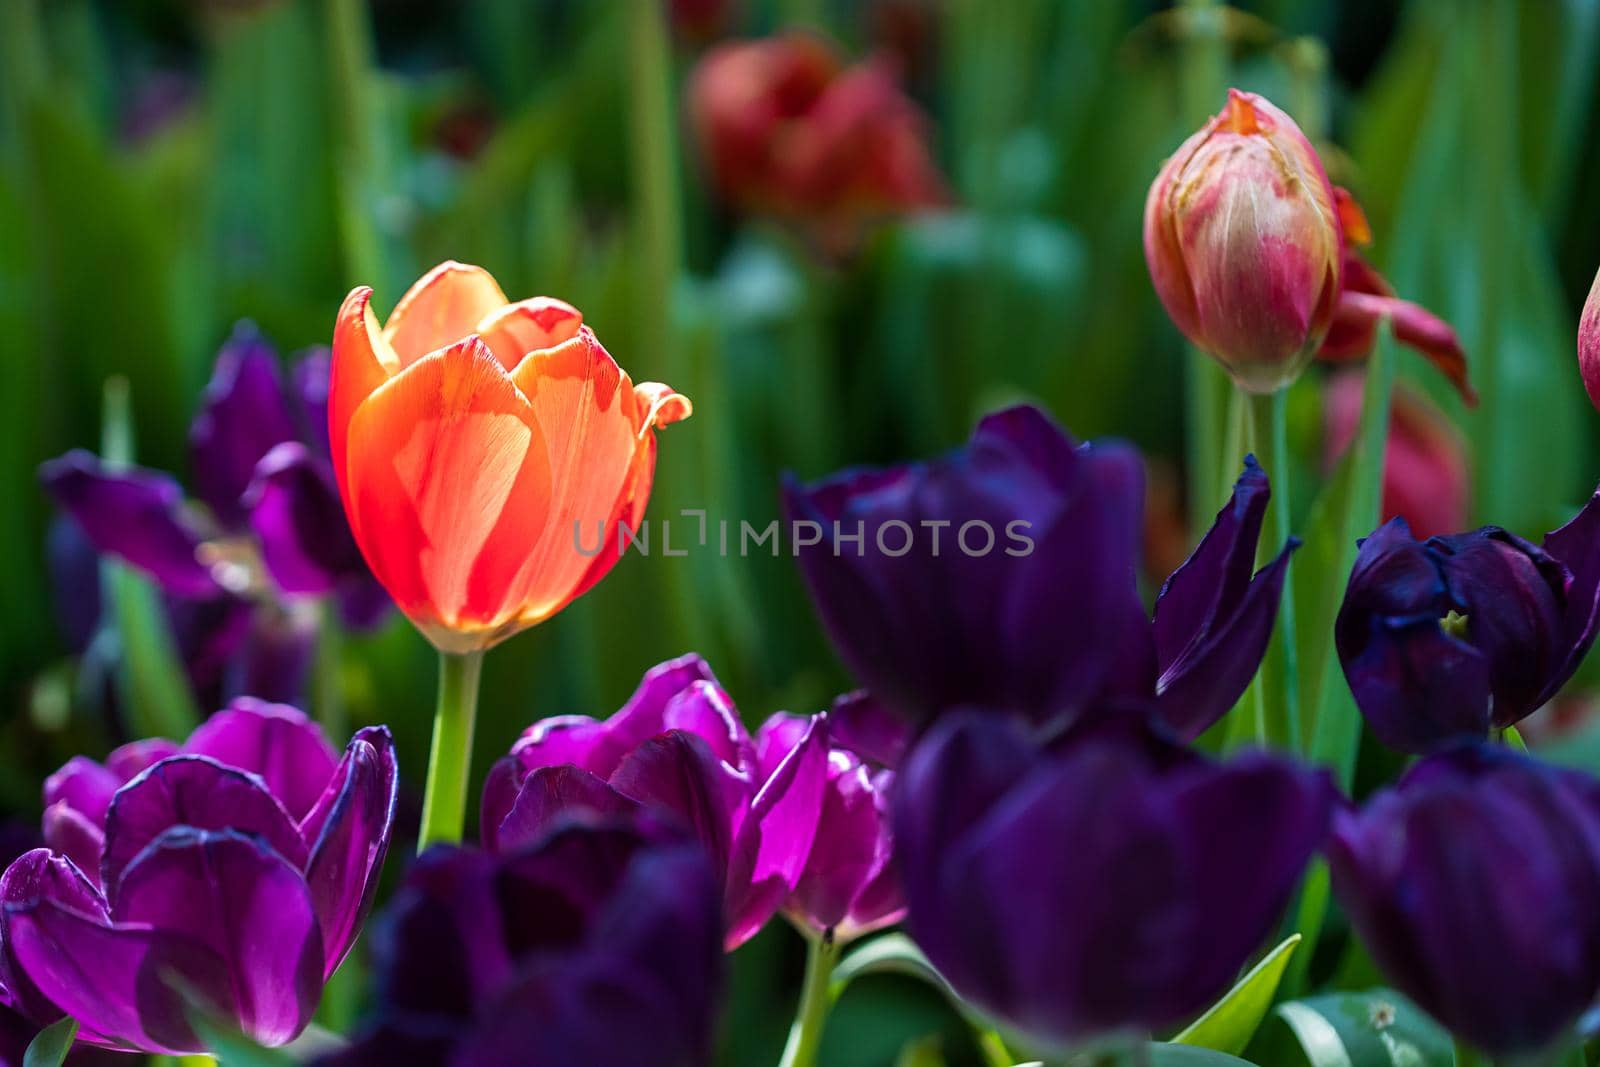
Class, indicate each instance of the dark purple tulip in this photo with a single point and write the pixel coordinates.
(1113, 883)
(1473, 883)
(1449, 638)
(136, 514)
(309, 377)
(677, 748)
(299, 521)
(599, 943)
(235, 869)
(1047, 621)
(243, 414)
(849, 886)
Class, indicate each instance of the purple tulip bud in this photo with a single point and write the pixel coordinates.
(677, 749)
(1448, 638)
(294, 509)
(1047, 620)
(598, 943)
(848, 886)
(136, 515)
(309, 377)
(1472, 882)
(231, 873)
(1112, 883)
(242, 415)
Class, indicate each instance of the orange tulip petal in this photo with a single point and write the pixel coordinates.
(438, 455)
(661, 405)
(362, 361)
(444, 306)
(630, 509)
(584, 404)
(511, 332)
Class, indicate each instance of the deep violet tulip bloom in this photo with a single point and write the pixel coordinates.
(599, 943)
(679, 749)
(1045, 618)
(1114, 882)
(849, 886)
(235, 869)
(1473, 884)
(1452, 637)
(239, 572)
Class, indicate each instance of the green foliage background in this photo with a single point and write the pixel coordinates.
(307, 158)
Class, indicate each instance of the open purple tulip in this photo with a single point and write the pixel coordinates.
(271, 532)
(1449, 638)
(849, 886)
(229, 875)
(599, 943)
(1473, 884)
(677, 748)
(1112, 883)
(1003, 575)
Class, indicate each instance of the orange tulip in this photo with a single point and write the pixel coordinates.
(471, 436)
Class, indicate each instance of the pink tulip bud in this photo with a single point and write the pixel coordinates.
(1243, 241)
(1589, 343)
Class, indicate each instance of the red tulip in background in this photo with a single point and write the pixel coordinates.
(1425, 476)
(785, 128)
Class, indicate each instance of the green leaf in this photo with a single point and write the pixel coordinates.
(1228, 1025)
(890, 954)
(924, 1052)
(1162, 1055)
(50, 1046)
(1513, 740)
(1377, 1028)
(232, 1048)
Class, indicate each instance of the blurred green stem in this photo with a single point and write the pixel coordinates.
(993, 1047)
(1205, 75)
(1277, 689)
(444, 801)
(1467, 1057)
(355, 127)
(327, 696)
(816, 1000)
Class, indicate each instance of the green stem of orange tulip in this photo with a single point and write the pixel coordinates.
(1277, 686)
(444, 800)
(816, 1001)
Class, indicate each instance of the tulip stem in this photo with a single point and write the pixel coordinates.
(444, 801)
(1277, 688)
(816, 1001)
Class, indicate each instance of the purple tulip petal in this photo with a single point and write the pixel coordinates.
(134, 514)
(547, 795)
(500, 788)
(1577, 546)
(1213, 580)
(849, 850)
(73, 563)
(275, 741)
(774, 841)
(209, 634)
(126, 761)
(113, 979)
(363, 603)
(69, 832)
(309, 377)
(350, 828)
(659, 704)
(1207, 679)
(198, 792)
(299, 522)
(859, 722)
(678, 774)
(776, 738)
(242, 415)
(237, 897)
(39, 875)
(567, 739)
(84, 786)
(1034, 436)
(274, 661)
